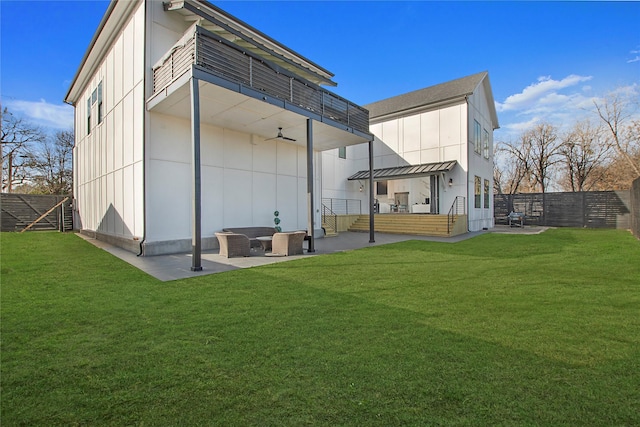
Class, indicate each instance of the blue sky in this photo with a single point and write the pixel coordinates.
(546, 60)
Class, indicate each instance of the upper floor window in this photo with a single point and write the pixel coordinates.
(89, 116)
(94, 101)
(342, 152)
(485, 144)
(477, 135)
(100, 103)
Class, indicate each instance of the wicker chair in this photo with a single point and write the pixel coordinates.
(285, 244)
(232, 244)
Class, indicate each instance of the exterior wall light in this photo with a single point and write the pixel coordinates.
(450, 182)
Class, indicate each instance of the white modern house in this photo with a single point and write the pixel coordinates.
(189, 120)
(433, 153)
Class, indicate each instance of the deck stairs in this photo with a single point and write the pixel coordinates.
(329, 230)
(419, 225)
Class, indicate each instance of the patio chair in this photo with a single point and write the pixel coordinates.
(290, 243)
(233, 244)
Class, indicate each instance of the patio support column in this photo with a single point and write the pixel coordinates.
(196, 191)
(310, 195)
(372, 237)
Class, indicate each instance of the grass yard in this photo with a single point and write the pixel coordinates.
(500, 330)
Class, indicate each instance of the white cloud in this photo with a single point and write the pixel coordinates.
(44, 114)
(540, 93)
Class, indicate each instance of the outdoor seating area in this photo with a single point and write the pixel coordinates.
(233, 244)
(286, 244)
(240, 241)
(516, 219)
(252, 233)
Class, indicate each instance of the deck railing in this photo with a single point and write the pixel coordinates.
(226, 60)
(344, 206)
(458, 207)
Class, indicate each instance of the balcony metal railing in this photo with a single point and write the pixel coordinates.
(224, 59)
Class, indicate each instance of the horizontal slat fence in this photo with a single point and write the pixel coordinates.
(20, 210)
(590, 209)
(635, 208)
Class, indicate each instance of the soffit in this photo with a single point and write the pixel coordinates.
(230, 109)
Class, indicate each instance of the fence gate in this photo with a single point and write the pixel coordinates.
(21, 210)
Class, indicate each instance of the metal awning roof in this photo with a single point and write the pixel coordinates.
(410, 171)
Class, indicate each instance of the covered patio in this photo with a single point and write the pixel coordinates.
(224, 73)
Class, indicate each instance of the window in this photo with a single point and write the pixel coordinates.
(477, 129)
(89, 116)
(485, 144)
(342, 152)
(486, 194)
(381, 188)
(96, 97)
(478, 192)
(100, 103)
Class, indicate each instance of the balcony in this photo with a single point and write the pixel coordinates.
(215, 56)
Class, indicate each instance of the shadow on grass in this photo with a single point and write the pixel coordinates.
(264, 346)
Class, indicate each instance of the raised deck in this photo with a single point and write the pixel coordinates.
(416, 224)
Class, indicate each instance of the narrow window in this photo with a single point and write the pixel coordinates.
(89, 116)
(485, 144)
(342, 152)
(381, 188)
(100, 103)
(486, 194)
(478, 192)
(477, 129)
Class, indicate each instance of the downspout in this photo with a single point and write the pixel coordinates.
(372, 237)
(468, 147)
(144, 136)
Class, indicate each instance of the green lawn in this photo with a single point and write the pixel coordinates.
(507, 330)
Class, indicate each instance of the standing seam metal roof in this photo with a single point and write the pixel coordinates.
(405, 171)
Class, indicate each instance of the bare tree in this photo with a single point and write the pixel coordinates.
(616, 113)
(511, 170)
(583, 151)
(52, 165)
(543, 148)
(17, 138)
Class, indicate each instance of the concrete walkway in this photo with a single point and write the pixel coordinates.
(178, 266)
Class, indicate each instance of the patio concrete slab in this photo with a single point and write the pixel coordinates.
(178, 266)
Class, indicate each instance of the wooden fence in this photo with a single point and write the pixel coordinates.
(591, 209)
(635, 208)
(21, 210)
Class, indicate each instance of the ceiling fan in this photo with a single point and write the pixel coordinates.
(280, 136)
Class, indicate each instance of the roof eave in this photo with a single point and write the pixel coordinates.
(99, 46)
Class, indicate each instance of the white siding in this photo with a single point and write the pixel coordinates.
(109, 159)
(243, 181)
